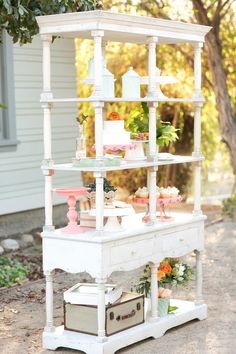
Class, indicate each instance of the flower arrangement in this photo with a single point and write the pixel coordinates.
(171, 272)
(140, 136)
(114, 116)
(138, 123)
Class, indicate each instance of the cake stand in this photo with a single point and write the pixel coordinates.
(113, 224)
(72, 215)
(161, 202)
(136, 153)
(117, 148)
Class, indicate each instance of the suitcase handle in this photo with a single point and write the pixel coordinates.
(124, 317)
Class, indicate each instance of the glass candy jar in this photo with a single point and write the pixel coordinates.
(81, 144)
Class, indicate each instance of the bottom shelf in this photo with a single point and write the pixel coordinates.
(187, 311)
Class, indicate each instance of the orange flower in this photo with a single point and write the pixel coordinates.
(114, 116)
(160, 274)
(166, 268)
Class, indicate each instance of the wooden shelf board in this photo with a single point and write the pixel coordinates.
(121, 99)
(124, 165)
(132, 226)
(187, 311)
(120, 27)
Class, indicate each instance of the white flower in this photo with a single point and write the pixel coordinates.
(181, 270)
(180, 279)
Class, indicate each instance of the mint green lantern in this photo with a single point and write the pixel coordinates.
(108, 87)
(131, 84)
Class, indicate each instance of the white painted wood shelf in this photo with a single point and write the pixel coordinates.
(124, 165)
(99, 252)
(119, 27)
(187, 311)
(102, 253)
(121, 99)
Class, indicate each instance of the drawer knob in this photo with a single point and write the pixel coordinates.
(133, 253)
(181, 239)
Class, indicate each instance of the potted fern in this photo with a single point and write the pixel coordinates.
(109, 193)
(138, 126)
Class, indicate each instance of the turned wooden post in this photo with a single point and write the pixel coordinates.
(97, 36)
(101, 310)
(154, 292)
(49, 301)
(152, 41)
(199, 298)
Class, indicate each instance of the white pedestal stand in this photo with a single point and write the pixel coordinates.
(113, 224)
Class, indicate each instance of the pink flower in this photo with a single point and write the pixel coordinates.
(162, 292)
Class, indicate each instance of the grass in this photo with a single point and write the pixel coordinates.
(11, 272)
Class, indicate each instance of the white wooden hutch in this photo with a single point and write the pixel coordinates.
(98, 252)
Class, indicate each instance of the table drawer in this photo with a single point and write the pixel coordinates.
(133, 250)
(181, 242)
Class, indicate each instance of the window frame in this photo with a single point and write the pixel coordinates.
(8, 140)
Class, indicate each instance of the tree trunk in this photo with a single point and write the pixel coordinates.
(227, 121)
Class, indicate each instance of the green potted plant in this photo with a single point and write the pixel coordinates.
(109, 193)
(138, 126)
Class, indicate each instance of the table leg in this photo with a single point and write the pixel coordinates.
(154, 292)
(101, 310)
(49, 301)
(199, 299)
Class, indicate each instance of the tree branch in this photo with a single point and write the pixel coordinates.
(211, 5)
(201, 13)
(222, 15)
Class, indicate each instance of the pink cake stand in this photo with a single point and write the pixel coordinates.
(72, 215)
(162, 202)
(117, 148)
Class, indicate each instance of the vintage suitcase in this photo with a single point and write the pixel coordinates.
(125, 313)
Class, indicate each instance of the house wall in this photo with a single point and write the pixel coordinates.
(21, 180)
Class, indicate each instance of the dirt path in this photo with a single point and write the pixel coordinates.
(22, 308)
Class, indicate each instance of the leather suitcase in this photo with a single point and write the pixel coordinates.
(125, 313)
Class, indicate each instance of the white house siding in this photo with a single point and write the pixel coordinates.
(21, 180)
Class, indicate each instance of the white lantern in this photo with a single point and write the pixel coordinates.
(108, 87)
(131, 84)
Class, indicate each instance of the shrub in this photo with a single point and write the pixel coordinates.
(229, 206)
(11, 272)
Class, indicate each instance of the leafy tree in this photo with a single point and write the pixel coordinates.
(220, 50)
(18, 16)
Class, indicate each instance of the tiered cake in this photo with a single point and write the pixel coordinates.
(114, 132)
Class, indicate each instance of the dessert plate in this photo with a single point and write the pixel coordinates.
(165, 156)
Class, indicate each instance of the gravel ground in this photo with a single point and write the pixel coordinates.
(22, 308)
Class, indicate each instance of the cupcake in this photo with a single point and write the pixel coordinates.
(174, 191)
(168, 192)
(164, 192)
(142, 193)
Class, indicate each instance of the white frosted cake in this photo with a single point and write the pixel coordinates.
(114, 133)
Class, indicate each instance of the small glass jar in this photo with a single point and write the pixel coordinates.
(81, 144)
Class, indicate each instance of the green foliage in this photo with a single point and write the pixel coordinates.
(11, 272)
(19, 17)
(106, 186)
(138, 123)
(229, 206)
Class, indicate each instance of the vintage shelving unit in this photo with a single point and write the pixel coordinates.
(99, 252)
